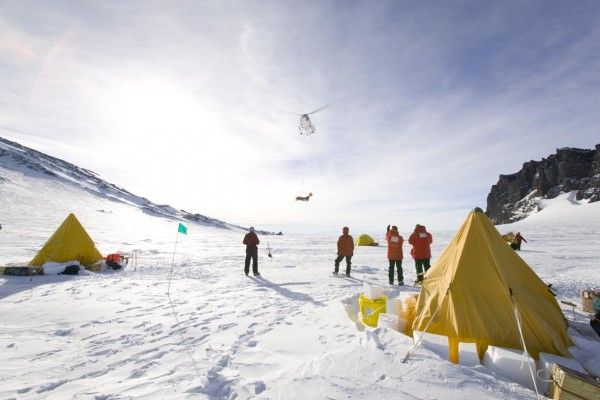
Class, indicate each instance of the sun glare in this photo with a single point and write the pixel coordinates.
(150, 107)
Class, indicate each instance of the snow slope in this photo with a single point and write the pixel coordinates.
(23, 160)
(221, 335)
(563, 243)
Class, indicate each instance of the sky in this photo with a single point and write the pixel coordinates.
(191, 103)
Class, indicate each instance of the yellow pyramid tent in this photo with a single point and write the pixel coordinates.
(470, 295)
(68, 243)
(366, 240)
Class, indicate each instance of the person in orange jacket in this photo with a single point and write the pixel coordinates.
(394, 253)
(421, 241)
(345, 248)
(251, 241)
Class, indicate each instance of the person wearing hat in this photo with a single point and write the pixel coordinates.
(394, 254)
(421, 241)
(345, 248)
(251, 241)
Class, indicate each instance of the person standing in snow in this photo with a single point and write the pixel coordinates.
(421, 241)
(345, 248)
(394, 253)
(251, 241)
(516, 243)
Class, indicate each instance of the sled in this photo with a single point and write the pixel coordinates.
(21, 271)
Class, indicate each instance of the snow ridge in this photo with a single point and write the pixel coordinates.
(16, 157)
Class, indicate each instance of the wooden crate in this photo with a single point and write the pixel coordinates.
(587, 298)
(568, 384)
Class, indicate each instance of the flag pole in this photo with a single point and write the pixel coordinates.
(172, 262)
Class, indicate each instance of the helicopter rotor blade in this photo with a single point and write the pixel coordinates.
(318, 109)
(288, 112)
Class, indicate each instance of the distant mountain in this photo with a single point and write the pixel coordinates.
(14, 156)
(517, 195)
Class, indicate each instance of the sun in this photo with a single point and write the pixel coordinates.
(154, 107)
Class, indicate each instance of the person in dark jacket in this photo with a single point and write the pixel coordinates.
(251, 241)
(421, 241)
(516, 243)
(394, 253)
(345, 248)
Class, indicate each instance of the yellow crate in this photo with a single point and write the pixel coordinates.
(568, 384)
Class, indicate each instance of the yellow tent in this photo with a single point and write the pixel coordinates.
(68, 243)
(366, 240)
(470, 295)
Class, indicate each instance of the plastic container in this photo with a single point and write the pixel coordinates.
(371, 308)
(373, 292)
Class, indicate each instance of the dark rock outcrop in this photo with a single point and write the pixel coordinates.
(516, 196)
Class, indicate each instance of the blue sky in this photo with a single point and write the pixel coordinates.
(184, 102)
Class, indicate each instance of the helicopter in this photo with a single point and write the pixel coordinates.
(305, 126)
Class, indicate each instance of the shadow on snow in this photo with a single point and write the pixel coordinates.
(290, 294)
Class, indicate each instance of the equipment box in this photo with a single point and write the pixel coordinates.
(587, 298)
(568, 384)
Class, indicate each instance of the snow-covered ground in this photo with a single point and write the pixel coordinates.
(221, 335)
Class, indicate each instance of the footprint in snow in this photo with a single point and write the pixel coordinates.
(226, 326)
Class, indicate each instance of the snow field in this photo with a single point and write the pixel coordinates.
(222, 335)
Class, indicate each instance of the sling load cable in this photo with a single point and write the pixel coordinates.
(303, 168)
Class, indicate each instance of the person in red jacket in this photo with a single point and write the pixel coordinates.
(394, 253)
(345, 248)
(421, 241)
(251, 241)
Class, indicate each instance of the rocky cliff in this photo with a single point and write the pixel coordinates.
(515, 196)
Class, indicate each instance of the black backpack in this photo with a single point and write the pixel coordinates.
(71, 270)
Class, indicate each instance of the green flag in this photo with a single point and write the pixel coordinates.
(182, 229)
